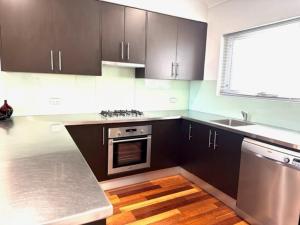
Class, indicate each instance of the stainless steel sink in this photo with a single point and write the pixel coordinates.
(232, 122)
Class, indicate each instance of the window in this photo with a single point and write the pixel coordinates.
(262, 62)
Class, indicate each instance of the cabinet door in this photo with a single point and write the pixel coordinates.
(27, 35)
(204, 157)
(135, 35)
(186, 152)
(112, 29)
(165, 144)
(196, 157)
(89, 140)
(191, 49)
(227, 162)
(161, 46)
(77, 36)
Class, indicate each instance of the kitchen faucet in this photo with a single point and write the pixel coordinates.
(245, 115)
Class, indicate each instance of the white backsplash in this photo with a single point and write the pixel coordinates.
(117, 88)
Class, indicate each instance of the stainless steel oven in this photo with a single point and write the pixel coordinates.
(129, 148)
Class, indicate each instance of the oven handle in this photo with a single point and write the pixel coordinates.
(134, 139)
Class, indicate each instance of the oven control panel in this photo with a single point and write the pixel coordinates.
(120, 132)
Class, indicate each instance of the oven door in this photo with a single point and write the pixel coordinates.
(128, 154)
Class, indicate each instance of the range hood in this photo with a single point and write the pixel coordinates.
(123, 64)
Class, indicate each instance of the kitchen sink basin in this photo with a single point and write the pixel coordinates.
(233, 123)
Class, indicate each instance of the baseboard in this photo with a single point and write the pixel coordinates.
(138, 178)
(227, 200)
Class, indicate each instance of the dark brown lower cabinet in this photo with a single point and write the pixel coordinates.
(99, 222)
(212, 154)
(209, 153)
(227, 156)
(165, 144)
(89, 140)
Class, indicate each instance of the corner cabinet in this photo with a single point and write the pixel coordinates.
(175, 48)
(123, 34)
(90, 139)
(212, 154)
(165, 144)
(51, 36)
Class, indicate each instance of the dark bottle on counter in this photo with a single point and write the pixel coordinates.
(6, 110)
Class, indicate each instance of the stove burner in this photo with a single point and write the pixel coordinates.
(121, 113)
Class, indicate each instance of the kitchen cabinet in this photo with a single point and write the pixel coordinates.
(77, 39)
(227, 156)
(197, 158)
(165, 144)
(191, 45)
(26, 35)
(212, 154)
(90, 139)
(175, 48)
(161, 47)
(98, 222)
(123, 34)
(50, 36)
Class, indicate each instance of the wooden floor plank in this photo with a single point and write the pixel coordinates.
(156, 218)
(168, 201)
(158, 200)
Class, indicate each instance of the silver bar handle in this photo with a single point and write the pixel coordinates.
(172, 70)
(133, 139)
(51, 60)
(190, 132)
(176, 69)
(60, 60)
(209, 138)
(122, 50)
(103, 136)
(215, 140)
(128, 51)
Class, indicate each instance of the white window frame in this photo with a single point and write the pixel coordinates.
(223, 81)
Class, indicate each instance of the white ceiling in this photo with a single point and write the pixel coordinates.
(212, 3)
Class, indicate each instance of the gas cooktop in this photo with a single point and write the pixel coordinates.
(121, 113)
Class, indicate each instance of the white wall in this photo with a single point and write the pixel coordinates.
(117, 88)
(235, 15)
(190, 9)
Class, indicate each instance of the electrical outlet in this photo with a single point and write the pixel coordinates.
(173, 100)
(54, 101)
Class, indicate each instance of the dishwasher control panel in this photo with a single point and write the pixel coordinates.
(296, 163)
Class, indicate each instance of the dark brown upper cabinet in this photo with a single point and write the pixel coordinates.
(76, 31)
(161, 46)
(175, 48)
(51, 36)
(123, 34)
(191, 44)
(26, 36)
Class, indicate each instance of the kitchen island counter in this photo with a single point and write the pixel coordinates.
(44, 179)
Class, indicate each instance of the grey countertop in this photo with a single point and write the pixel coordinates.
(44, 179)
(279, 136)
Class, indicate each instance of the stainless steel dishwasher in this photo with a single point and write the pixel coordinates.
(269, 184)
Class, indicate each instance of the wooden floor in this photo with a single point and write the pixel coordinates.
(171, 200)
